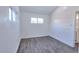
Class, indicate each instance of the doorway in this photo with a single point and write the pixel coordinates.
(77, 29)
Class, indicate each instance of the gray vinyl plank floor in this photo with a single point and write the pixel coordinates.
(44, 45)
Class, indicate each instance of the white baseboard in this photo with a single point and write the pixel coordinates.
(34, 36)
(61, 41)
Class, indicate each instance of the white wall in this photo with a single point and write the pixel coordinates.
(62, 25)
(33, 30)
(9, 31)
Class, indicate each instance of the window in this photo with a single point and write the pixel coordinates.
(12, 15)
(33, 20)
(37, 20)
(40, 20)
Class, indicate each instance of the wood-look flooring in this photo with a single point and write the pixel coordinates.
(44, 45)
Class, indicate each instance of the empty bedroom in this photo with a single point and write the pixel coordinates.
(47, 29)
(39, 29)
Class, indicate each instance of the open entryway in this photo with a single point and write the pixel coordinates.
(77, 29)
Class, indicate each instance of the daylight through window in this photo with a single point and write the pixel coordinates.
(37, 20)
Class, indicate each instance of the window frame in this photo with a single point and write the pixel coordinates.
(37, 20)
(12, 15)
(32, 21)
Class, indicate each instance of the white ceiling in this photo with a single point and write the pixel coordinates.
(38, 9)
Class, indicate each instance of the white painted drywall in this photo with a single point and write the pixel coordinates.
(62, 25)
(33, 30)
(9, 31)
